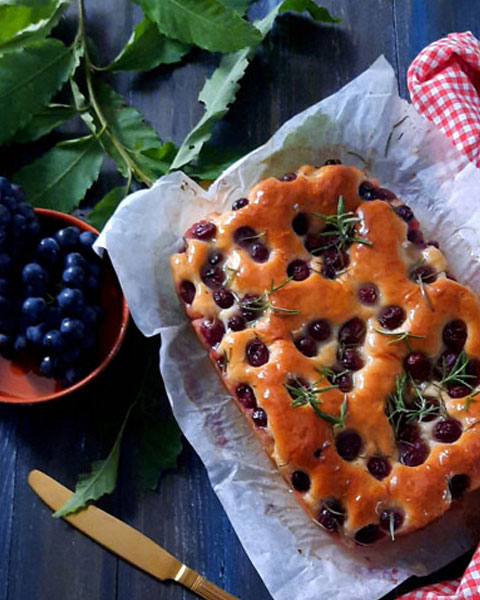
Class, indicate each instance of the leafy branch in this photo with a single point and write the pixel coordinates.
(157, 439)
(221, 88)
(100, 481)
(133, 169)
(34, 67)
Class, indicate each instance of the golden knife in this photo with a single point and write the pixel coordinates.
(127, 542)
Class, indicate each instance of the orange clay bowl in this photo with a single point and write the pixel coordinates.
(20, 383)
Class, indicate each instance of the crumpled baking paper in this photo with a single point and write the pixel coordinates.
(365, 124)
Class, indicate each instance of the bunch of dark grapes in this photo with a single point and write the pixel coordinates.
(49, 292)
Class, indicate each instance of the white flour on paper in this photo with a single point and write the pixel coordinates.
(365, 124)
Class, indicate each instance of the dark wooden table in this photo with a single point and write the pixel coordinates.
(300, 63)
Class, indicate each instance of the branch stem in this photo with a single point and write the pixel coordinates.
(89, 67)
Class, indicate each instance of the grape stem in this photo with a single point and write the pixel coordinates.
(132, 168)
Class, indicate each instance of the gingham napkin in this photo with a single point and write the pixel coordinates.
(444, 84)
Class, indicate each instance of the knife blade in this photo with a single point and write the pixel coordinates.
(124, 540)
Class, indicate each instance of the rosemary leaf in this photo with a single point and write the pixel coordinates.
(457, 375)
(424, 293)
(391, 525)
(302, 395)
(341, 226)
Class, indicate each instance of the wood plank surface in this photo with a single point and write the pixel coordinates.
(421, 22)
(300, 63)
(8, 462)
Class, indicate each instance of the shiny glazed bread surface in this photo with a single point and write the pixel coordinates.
(357, 463)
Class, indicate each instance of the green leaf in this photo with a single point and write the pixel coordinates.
(147, 48)
(156, 162)
(126, 123)
(158, 438)
(239, 6)
(212, 162)
(217, 94)
(82, 106)
(160, 446)
(205, 23)
(31, 3)
(44, 121)
(221, 88)
(20, 25)
(104, 209)
(318, 13)
(127, 126)
(60, 178)
(100, 481)
(28, 80)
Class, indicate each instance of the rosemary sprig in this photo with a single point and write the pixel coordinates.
(232, 273)
(303, 395)
(330, 509)
(330, 374)
(400, 336)
(396, 403)
(284, 311)
(422, 408)
(398, 410)
(264, 302)
(391, 525)
(256, 236)
(342, 227)
(421, 277)
(332, 419)
(255, 305)
(470, 398)
(275, 288)
(424, 293)
(457, 375)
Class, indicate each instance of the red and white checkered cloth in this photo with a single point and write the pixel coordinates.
(444, 84)
(458, 589)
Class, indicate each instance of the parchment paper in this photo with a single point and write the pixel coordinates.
(365, 124)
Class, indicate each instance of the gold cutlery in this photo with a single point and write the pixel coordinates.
(125, 541)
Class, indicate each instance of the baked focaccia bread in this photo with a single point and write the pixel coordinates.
(350, 349)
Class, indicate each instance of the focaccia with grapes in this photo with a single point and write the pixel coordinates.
(345, 342)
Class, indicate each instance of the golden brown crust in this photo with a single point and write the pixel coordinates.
(297, 439)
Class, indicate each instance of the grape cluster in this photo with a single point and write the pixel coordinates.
(49, 292)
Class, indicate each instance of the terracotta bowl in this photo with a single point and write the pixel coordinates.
(19, 384)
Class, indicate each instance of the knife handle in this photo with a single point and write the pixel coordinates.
(198, 584)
